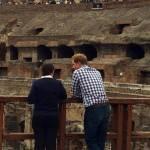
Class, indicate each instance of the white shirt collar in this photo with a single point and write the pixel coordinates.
(48, 76)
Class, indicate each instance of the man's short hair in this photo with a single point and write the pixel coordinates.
(80, 58)
(47, 69)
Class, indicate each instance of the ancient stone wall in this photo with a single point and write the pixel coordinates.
(116, 62)
(45, 8)
(21, 86)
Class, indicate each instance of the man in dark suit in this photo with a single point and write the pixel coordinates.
(46, 94)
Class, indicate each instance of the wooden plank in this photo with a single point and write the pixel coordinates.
(18, 136)
(113, 100)
(22, 136)
(121, 100)
(119, 126)
(7, 99)
(114, 119)
(141, 135)
(62, 127)
(1, 124)
(130, 101)
(110, 135)
(127, 127)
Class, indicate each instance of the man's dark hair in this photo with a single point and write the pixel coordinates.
(47, 69)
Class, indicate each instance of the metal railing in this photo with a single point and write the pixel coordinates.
(121, 136)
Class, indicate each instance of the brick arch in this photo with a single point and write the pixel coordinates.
(2, 51)
(13, 52)
(135, 51)
(89, 50)
(43, 53)
(65, 51)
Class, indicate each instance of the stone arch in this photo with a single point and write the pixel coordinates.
(119, 28)
(102, 73)
(89, 50)
(65, 51)
(43, 53)
(13, 52)
(2, 51)
(135, 51)
(35, 31)
(145, 77)
(3, 71)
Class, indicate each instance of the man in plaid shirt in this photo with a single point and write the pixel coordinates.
(87, 85)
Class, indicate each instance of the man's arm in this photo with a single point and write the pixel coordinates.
(76, 86)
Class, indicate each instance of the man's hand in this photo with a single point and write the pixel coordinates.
(78, 99)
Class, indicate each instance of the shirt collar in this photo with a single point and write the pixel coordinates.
(48, 76)
(85, 66)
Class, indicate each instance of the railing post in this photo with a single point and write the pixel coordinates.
(62, 127)
(127, 127)
(1, 124)
(117, 126)
(114, 124)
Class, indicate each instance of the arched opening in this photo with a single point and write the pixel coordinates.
(2, 51)
(36, 31)
(89, 50)
(43, 53)
(13, 53)
(145, 77)
(3, 71)
(65, 52)
(27, 59)
(118, 28)
(135, 51)
(102, 73)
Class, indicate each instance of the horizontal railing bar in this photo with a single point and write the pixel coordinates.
(110, 135)
(23, 136)
(113, 100)
(141, 135)
(17, 136)
(6, 99)
(121, 100)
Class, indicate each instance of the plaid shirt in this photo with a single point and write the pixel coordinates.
(88, 85)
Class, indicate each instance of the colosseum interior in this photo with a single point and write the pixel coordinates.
(115, 38)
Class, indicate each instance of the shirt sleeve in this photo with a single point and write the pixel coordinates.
(76, 85)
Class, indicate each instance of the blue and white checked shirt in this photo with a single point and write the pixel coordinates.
(87, 84)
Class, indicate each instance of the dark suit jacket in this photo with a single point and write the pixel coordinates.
(46, 94)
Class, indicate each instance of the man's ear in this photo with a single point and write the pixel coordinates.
(79, 64)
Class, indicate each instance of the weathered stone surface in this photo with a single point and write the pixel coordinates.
(94, 26)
